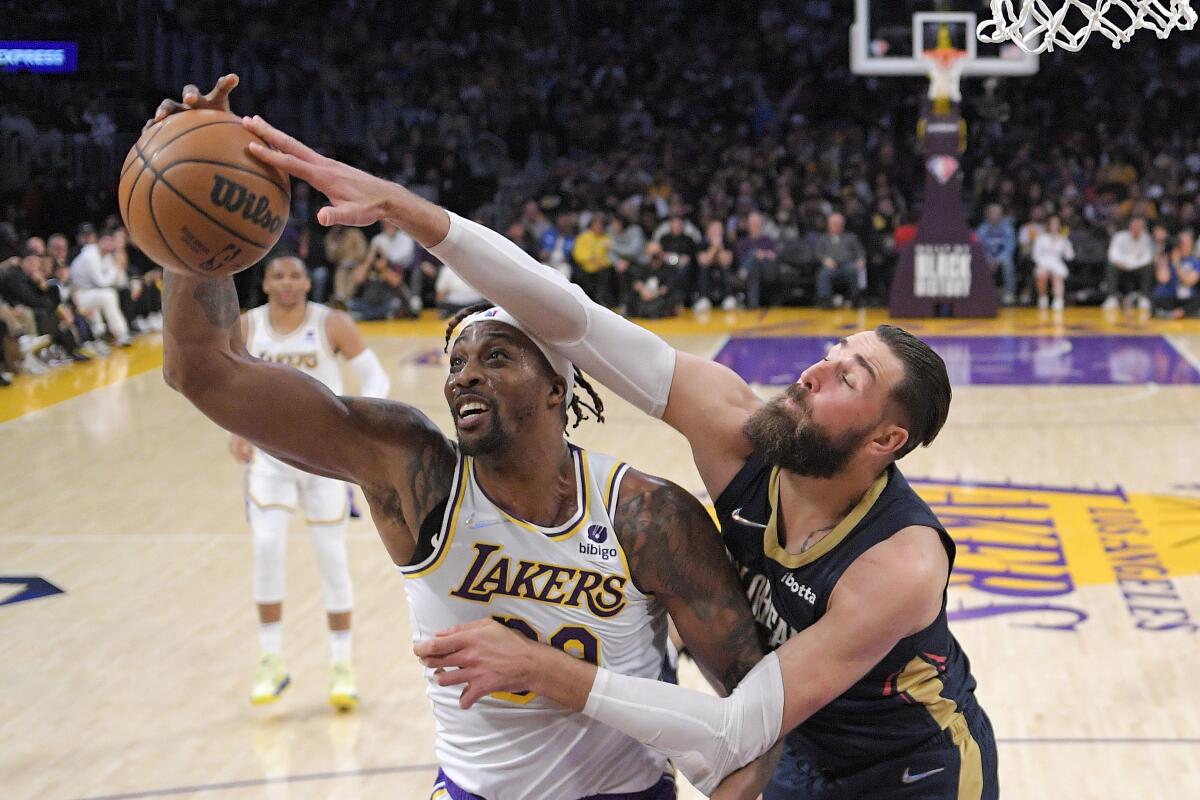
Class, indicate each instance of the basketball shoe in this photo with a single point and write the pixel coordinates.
(342, 692)
(270, 680)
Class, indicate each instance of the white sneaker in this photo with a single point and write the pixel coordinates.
(1111, 303)
(154, 320)
(31, 344)
(1058, 304)
(1009, 299)
(1143, 303)
(838, 300)
(415, 305)
(1043, 302)
(729, 303)
(702, 306)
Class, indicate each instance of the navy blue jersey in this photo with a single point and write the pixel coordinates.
(920, 688)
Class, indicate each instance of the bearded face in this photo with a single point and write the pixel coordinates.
(784, 433)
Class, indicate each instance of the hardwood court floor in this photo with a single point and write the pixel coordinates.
(1070, 458)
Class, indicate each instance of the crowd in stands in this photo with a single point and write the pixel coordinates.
(61, 303)
(665, 155)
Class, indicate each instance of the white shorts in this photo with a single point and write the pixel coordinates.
(272, 484)
(1050, 268)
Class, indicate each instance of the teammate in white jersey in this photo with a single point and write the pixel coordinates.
(310, 337)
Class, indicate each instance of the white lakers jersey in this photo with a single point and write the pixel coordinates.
(568, 587)
(307, 348)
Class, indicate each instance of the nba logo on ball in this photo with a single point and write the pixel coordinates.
(597, 533)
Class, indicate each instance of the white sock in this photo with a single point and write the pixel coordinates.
(270, 638)
(340, 648)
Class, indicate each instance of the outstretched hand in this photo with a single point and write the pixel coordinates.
(217, 99)
(356, 198)
(482, 656)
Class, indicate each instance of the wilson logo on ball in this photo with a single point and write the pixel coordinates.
(233, 197)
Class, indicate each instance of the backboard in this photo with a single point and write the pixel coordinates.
(888, 37)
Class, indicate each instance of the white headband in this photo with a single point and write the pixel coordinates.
(558, 362)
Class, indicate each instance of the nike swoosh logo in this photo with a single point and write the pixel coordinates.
(475, 525)
(907, 778)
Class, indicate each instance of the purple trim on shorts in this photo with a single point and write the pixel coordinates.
(663, 790)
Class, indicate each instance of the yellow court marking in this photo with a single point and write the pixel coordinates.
(30, 393)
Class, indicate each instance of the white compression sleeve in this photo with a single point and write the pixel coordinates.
(706, 737)
(625, 357)
(373, 381)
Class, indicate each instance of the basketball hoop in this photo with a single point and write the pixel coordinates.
(944, 64)
(1038, 27)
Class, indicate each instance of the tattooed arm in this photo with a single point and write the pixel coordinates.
(675, 553)
(393, 451)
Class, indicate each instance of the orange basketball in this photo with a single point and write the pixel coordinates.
(195, 201)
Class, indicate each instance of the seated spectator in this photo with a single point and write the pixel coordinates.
(138, 289)
(558, 243)
(1177, 274)
(454, 294)
(1052, 250)
(756, 256)
(593, 261)
(679, 251)
(26, 284)
(999, 242)
(1130, 256)
(715, 266)
(378, 290)
(1027, 235)
(628, 251)
(843, 263)
(651, 294)
(94, 280)
(400, 250)
(345, 251)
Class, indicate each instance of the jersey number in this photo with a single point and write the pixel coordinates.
(574, 640)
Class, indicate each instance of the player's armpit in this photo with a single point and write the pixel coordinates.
(890, 592)
(675, 553)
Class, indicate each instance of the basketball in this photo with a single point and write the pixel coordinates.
(195, 201)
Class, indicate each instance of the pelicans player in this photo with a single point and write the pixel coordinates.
(289, 330)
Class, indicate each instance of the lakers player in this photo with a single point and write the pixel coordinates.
(309, 337)
(845, 566)
(569, 547)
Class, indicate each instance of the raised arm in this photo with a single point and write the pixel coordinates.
(705, 401)
(393, 451)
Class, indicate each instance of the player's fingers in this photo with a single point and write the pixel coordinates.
(284, 161)
(452, 677)
(220, 91)
(348, 214)
(278, 139)
(471, 694)
(474, 624)
(191, 94)
(436, 647)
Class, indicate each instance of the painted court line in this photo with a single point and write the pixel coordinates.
(282, 779)
(397, 770)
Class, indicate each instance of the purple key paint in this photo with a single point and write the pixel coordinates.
(988, 360)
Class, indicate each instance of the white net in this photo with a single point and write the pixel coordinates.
(1038, 27)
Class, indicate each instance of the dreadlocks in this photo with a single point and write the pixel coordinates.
(578, 407)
